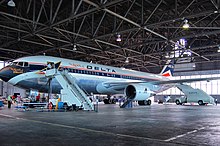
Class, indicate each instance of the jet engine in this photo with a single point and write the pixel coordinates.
(137, 92)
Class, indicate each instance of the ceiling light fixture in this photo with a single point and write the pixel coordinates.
(218, 49)
(126, 60)
(167, 55)
(11, 3)
(186, 24)
(118, 39)
(74, 47)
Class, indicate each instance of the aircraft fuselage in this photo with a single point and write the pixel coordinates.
(90, 77)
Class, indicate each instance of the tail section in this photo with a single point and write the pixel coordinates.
(168, 69)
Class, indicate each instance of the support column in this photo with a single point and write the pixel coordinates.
(2, 83)
(50, 90)
(2, 88)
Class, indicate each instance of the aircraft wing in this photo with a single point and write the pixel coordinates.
(179, 81)
(184, 80)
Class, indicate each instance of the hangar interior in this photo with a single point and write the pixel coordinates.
(135, 34)
(87, 30)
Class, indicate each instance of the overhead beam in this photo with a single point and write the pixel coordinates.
(70, 32)
(62, 34)
(187, 7)
(75, 16)
(16, 51)
(73, 6)
(153, 12)
(100, 22)
(2, 1)
(51, 10)
(121, 17)
(215, 4)
(36, 43)
(15, 29)
(126, 14)
(91, 3)
(52, 38)
(80, 27)
(51, 44)
(58, 8)
(39, 14)
(21, 18)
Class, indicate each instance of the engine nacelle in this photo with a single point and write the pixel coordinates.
(137, 92)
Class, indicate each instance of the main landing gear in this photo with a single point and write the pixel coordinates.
(109, 100)
(144, 102)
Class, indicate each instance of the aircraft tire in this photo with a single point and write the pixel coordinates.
(141, 102)
(113, 101)
(148, 102)
(106, 101)
(65, 106)
(109, 101)
(200, 102)
(178, 102)
(144, 102)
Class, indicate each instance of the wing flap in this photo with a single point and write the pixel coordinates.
(184, 80)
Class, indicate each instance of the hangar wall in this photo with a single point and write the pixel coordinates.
(211, 87)
(7, 89)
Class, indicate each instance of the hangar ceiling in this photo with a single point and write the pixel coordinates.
(87, 30)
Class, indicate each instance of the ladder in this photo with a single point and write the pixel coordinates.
(75, 95)
(127, 103)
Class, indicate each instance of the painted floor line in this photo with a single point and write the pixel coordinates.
(103, 132)
(8, 116)
(84, 129)
(96, 131)
(187, 133)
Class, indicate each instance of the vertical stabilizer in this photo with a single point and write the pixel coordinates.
(168, 69)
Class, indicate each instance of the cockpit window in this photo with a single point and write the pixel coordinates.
(20, 63)
(25, 64)
(13, 63)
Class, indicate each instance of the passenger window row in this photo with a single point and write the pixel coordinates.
(23, 64)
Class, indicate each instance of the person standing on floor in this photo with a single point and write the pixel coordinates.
(9, 101)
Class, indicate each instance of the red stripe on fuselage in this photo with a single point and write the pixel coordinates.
(99, 71)
(40, 72)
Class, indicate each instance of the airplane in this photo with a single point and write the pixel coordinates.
(93, 78)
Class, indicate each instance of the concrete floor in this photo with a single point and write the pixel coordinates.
(140, 126)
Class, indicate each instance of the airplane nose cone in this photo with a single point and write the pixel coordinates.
(6, 74)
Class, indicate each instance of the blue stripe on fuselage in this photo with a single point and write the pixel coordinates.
(88, 84)
(35, 67)
(93, 72)
(105, 74)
